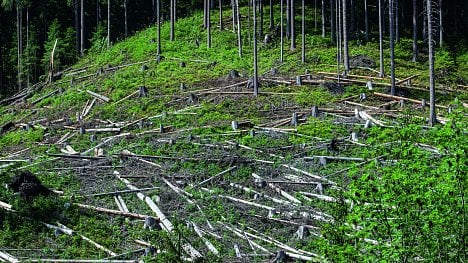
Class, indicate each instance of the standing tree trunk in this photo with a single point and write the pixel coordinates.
(323, 19)
(303, 55)
(205, 13)
(441, 29)
(220, 15)
(392, 45)
(272, 17)
(208, 25)
(339, 29)
(77, 25)
(288, 19)
(233, 5)
(345, 38)
(82, 28)
(415, 30)
(28, 59)
(293, 29)
(18, 41)
(239, 34)
(172, 18)
(315, 15)
(108, 23)
(282, 31)
(397, 20)
(332, 21)
(125, 18)
(432, 113)
(352, 15)
(260, 6)
(382, 69)
(158, 26)
(255, 78)
(366, 20)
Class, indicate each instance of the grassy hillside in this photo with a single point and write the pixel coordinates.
(373, 185)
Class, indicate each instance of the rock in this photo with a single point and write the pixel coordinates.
(361, 61)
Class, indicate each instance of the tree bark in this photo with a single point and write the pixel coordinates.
(415, 30)
(255, 80)
(303, 55)
(260, 6)
(345, 38)
(366, 20)
(158, 26)
(125, 18)
(392, 44)
(315, 15)
(441, 31)
(18, 41)
(293, 30)
(282, 31)
(208, 25)
(396, 14)
(272, 18)
(108, 23)
(432, 106)
(77, 26)
(332, 21)
(323, 19)
(82, 28)
(172, 18)
(382, 69)
(220, 2)
(239, 33)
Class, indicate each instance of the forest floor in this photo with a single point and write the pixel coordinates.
(123, 139)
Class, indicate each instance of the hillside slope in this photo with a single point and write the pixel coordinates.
(308, 170)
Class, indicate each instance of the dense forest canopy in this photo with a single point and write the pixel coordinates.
(24, 53)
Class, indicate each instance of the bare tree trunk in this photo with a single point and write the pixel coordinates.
(82, 28)
(205, 13)
(382, 69)
(323, 19)
(338, 39)
(158, 26)
(339, 29)
(239, 34)
(366, 20)
(260, 5)
(125, 17)
(77, 26)
(345, 38)
(392, 45)
(282, 31)
(352, 28)
(272, 18)
(315, 15)
(441, 28)
(172, 18)
(220, 2)
(233, 5)
(332, 21)
(18, 32)
(303, 55)
(208, 25)
(432, 113)
(288, 19)
(415, 30)
(396, 14)
(27, 48)
(108, 23)
(293, 29)
(255, 80)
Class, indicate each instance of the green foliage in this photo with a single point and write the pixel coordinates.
(64, 51)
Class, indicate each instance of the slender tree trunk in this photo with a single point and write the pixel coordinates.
(108, 23)
(338, 39)
(339, 29)
(288, 19)
(366, 20)
(397, 20)
(303, 54)
(441, 28)
(98, 13)
(272, 17)
(77, 26)
(205, 13)
(220, 15)
(125, 18)
(345, 38)
(28, 58)
(282, 31)
(208, 20)
(293, 26)
(233, 6)
(432, 114)
(424, 22)
(171, 14)
(381, 53)
(255, 80)
(175, 10)
(239, 34)
(82, 37)
(415, 30)
(352, 16)
(18, 32)
(158, 26)
(392, 45)
(315, 15)
(260, 5)
(332, 21)
(323, 19)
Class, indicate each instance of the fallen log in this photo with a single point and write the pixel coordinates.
(392, 97)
